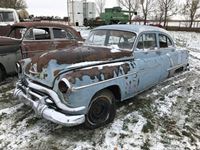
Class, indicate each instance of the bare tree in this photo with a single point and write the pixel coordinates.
(16, 4)
(166, 9)
(190, 10)
(147, 7)
(131, 6)
(100, 5)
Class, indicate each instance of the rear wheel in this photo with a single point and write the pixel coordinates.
(101, 110)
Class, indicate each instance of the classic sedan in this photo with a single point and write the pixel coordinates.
(82, 84)
(27, 39)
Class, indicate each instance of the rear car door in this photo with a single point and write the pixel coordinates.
(63, 38)
(36, 41)
(171, 57)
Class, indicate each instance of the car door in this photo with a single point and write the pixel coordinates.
(63, 38)
(147, 61)
(171, 57)
(37, 41)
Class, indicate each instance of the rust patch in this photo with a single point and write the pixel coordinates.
(78, 54)
(56, 72)
(107, 72)
(126, 68)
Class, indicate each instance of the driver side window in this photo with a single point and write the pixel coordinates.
(147, 42)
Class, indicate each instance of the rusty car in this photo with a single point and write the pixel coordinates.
(83, 84)
(27, 39)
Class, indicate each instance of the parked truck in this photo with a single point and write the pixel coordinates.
(113, 15)
(9, 17)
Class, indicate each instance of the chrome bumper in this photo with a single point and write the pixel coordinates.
(41, 108)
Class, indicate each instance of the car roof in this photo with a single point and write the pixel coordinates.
(37, 24)
(132, 28)
(47, 24)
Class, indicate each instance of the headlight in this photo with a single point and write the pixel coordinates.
(64, 85)
(18, 68)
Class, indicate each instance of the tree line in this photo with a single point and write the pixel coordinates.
(15, 4)
(160, 10)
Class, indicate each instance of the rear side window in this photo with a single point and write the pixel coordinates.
(164, 41)
(62, 34)
(147, 42)
(59, 34)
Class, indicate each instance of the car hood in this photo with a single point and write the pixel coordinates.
(46, 67)
(4, 41)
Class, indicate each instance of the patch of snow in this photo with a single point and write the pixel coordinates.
(114, 49)
(10, 110)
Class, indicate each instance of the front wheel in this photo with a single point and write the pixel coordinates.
(101, 110)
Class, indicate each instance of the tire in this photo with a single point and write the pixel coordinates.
(101, 110)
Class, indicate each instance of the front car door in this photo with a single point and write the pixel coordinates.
(147, 60)
(36, 41)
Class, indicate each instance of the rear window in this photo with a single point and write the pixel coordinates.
(62, 34)
(17, 32)
(6, 17)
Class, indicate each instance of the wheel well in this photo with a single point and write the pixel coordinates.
(115, 91)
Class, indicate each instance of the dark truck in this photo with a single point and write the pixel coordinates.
(27, 39)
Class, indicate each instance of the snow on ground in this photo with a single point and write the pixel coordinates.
(166, 117)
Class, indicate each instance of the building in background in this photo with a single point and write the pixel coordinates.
(79, 10)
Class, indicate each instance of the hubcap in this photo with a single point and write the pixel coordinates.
(99, 111)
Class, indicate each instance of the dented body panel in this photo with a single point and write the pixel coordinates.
(90, 68)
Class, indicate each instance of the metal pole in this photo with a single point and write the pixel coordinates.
(73, 11)
(68, 10)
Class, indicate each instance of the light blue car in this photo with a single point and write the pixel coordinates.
(82, 84)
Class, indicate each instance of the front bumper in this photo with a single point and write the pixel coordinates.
(41, 108)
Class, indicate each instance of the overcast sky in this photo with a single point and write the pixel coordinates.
(54, 7)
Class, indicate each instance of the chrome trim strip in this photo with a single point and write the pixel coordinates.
(93, 84)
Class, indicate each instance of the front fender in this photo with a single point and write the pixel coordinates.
(86, 82)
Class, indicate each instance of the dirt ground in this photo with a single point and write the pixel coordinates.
(165, 117)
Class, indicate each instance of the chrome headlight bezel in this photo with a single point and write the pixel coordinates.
(64, 85)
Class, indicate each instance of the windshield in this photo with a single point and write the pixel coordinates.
(17, 32)
(6, 17)
(119, 39)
